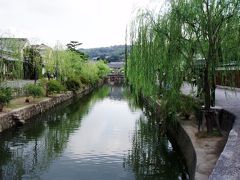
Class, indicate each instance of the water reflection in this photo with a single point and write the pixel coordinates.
(102, 136)
(152, 155)
(29, 149)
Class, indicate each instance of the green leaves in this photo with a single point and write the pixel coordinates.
(164, 48)
(5, 95)
(34, 90)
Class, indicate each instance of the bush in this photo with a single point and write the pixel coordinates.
(43, 82)
(5, 95)
(34, 90)
(89, 73)
(54, 86)
(72, 84)
(103, 69)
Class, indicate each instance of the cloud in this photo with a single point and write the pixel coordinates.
(92, 22)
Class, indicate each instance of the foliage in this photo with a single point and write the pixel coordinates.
(54, 86)
(93, 71)
(34, 90)
(10, 49)
(43, 82)
(154, 62)
(103, 69)
(32, 63)
(5, 95)
(73, 84)
(168, 47)
(70, 65)
(72, 47)
(89, 73)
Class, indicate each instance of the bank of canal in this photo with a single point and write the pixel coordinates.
(104, 135)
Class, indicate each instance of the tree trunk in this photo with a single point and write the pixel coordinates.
(213, 87)
(207, 97)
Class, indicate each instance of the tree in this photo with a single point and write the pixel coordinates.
(72, 47)
(32, 63)
(166, 46)
(206, 23)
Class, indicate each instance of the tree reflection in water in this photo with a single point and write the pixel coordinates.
(152, 155)
(28, 150)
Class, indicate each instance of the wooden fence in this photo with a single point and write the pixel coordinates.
(228, 78)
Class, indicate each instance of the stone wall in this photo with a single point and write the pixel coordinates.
(20, 115)
(186, 147)
(183, 141)
(227, 166)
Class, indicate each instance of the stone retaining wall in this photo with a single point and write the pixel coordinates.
(179, 135)
(228, 164)
(185, 144)
(20, 115)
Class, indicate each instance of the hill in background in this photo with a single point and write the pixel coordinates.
(111, 54)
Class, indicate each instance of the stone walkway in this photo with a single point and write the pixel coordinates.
(16, 83)
(228, 164)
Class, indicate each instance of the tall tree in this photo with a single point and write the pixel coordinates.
(206, 20)
(72, 46)
(164, 47)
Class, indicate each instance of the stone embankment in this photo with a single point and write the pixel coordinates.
(227, 166)
(20, 115)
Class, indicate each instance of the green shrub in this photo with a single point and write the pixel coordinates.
(54, 86)
(5, 95)
(89, 73)
(34, 90)
(72, 84)
(84, 80)
(43, 82)
(103, 68)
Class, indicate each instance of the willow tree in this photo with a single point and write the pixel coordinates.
(166, 45)
(208, 21)
(154, 64)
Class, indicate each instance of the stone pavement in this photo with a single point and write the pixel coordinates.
(18, 84)
(228, 164)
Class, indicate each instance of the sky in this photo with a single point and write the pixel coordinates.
(95, 23)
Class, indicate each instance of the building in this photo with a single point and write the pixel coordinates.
(12, 57)
(116, 67)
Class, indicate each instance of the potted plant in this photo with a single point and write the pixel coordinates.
(5, 96)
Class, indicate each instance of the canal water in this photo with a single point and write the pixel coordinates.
(103, 136)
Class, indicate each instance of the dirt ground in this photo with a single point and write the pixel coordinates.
(20, 102)
(208, 149)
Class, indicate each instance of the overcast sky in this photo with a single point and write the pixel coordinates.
(95, 23)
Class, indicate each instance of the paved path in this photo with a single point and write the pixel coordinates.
(228, 164)
(16, 83)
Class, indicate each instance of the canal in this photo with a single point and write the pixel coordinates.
(102, 136)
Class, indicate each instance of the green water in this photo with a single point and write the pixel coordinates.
(104, 135)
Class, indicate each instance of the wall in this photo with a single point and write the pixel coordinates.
(186, 147)
(19, 116)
